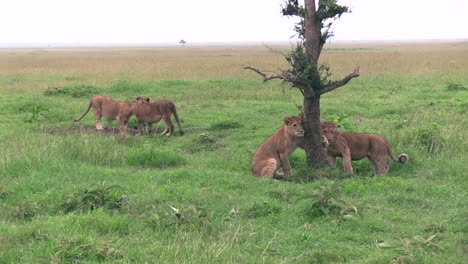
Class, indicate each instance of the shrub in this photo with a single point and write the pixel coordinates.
(455, 87)
(98, 196)
(78, 249)
(328, 199)
(429, 138)
(77, 90)
(34, 113)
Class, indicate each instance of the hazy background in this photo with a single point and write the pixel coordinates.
(149, 22)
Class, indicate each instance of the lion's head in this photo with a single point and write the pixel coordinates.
(294, 125)
(142, 100)
(328, 130)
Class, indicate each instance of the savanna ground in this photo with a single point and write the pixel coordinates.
(71, 195)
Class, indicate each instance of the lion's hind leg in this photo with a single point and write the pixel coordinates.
(123, 122)
(380, 165)
(97, 120)
(169, 126)
(348, 168)
(266, 168)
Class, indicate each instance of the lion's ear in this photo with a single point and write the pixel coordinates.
(287, 120)
(147, 100)
(334, 122)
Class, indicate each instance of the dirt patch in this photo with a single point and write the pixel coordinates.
(108, 131)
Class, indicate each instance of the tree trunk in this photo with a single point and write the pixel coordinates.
(312, 138)
(312, 32)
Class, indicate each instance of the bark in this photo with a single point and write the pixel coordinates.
(312, 32)
(313, 137)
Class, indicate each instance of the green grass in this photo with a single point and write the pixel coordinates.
(68, 197)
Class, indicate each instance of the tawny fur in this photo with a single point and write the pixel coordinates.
(110, 109)
(354, 146)
(274, 153)
(153, 112)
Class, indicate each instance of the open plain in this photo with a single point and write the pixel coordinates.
(69, 194)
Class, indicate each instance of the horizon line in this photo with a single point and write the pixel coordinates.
(207, 43)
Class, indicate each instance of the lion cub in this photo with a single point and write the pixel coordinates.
(353, 146)
(274, 152)
(110, 109)
(153, 112)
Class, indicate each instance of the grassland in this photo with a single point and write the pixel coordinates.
(79, 197)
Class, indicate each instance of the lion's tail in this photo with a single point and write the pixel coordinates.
(402, 158)
(177, 119)
(87, 110)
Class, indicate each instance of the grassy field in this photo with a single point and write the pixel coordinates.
(70, 195)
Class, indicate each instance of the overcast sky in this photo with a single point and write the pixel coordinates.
(168, 21)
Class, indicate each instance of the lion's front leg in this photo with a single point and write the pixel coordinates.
(149, 128)
(140, 127)
(331, 160)
(122, 125)
(284, 158)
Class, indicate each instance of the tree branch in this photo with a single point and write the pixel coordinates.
(285, 77)
(333, 85)
(265, 77)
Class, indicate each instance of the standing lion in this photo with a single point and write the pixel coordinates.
(110, 109)
(356, 146)
(153, 112)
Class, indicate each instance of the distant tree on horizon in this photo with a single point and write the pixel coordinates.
(183, 42)
(305, 73)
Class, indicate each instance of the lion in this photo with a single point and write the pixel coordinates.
(355, 146)
(151, 113)
(110, 109)
(275, 151)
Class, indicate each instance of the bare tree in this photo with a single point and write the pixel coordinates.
(305, 73)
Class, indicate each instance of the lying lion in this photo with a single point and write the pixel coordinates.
(353, 146)
(110, 109)
(153, 112)
(275, 151)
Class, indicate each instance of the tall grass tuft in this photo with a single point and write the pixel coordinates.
(100, 195)
(153, 158)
